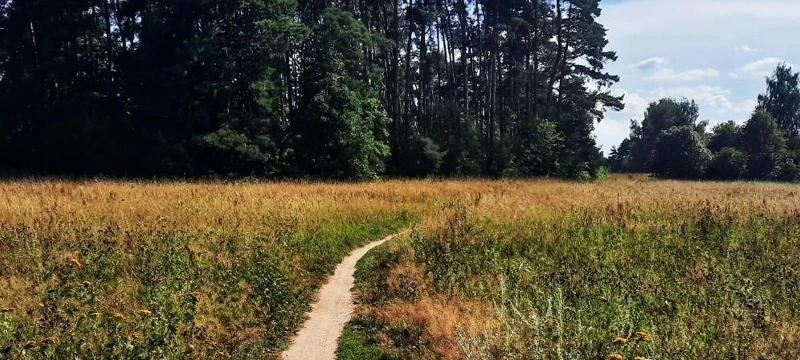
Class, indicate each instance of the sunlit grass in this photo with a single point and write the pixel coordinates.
(494, 268)
(177, 270)
(628, 268)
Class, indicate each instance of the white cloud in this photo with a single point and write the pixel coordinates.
(635, 104)
(660, 72)
(611, 132)
(757, 69)
(744, 48)
(688, 75)
(650, 64)
(711, 99)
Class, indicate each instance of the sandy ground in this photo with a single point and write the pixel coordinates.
(319, 336)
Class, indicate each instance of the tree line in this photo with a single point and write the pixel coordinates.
(671, 143)
(341, 89)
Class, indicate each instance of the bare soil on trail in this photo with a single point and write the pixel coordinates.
(318, 338)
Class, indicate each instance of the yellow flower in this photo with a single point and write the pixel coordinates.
(619, 341)
(119, 315)
(87, 283)
(144, 312)
(644, 336)
(615, 356)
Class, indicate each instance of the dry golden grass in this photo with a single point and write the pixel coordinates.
(132, 256)
(252, 206)
(484, 258)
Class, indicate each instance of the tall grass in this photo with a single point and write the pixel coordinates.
(178, 270)
(628, 269)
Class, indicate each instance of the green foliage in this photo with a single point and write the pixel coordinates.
(764, 142)
(342, 128)
(762, 149)
(725, 135)
(302, 88)
(353, 346)
(660, 116)
(422, 159)
(782, 99)
(679, 152)
(231, 152)
(728, 164)
(538, 149)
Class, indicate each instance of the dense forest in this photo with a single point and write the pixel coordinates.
(339, 89)
(671, 143)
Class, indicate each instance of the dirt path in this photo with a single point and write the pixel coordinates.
(319, 337)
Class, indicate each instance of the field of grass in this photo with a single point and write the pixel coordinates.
(626, 267)
(178, 270)
(623, 269)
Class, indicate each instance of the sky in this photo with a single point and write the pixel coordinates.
(717, 52)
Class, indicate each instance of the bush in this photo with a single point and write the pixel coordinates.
(423, 158)
(680, 153)
(728, 164)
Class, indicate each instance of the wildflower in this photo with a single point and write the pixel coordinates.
(119, 315)
(644, 336)
(144, 312)
(615, 356)
(76, 262)
(87, 283)
(619, 341)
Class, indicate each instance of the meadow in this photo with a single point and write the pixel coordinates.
(622, 268)
(629, 268)
(177, 270)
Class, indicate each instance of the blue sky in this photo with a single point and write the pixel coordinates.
(717, 52)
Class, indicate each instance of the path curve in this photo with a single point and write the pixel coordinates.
(319, 336)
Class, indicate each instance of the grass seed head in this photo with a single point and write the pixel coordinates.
(119, 315)
(644, 336)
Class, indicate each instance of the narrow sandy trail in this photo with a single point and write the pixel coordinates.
(319, 336)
